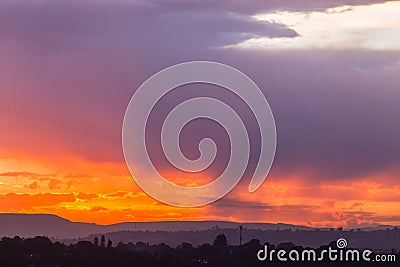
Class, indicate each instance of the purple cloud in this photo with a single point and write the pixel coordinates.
(69, 69)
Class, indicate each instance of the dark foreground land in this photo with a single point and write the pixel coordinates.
(41, 251)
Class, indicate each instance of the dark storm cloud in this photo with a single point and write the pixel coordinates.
(335, 112)
(153, 24)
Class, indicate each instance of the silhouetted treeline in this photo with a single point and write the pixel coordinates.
(377, 239)
(41, 251)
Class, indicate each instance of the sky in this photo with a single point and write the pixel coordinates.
(329, 69)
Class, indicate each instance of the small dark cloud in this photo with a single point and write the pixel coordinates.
(34, 185)
(357, 205)
(395, 220)
(54, 184)
(86, 196)
(98, 209)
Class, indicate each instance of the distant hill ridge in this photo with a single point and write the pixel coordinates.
(29, 225)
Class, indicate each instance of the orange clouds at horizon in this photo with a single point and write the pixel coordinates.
(104, 193)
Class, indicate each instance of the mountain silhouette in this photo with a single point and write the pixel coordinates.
(30, 225)
(196, 233)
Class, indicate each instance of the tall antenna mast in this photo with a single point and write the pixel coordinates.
(240, 234)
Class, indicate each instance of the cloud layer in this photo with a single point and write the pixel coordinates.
(69, 68)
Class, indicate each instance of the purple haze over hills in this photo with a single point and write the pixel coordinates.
(53, 226)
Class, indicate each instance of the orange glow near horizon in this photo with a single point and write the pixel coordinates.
(330, 75)
(104, 193)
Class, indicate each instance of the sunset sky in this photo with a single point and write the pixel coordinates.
(329, 69)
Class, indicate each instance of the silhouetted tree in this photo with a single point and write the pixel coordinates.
(254, 243)
(220, 241)
(96, 241)
(109, 243)
(103, 241)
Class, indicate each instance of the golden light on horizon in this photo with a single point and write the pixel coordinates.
(111, 196)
